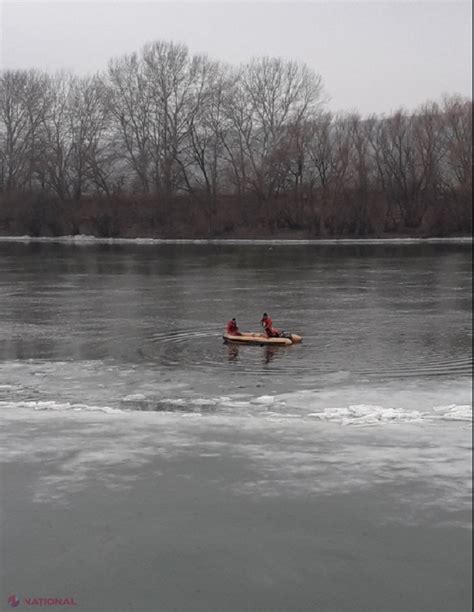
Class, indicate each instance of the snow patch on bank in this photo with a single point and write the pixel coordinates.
(87, 239)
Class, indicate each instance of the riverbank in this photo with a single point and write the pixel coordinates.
(183, 217)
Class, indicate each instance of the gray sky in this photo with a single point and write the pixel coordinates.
(373, 56)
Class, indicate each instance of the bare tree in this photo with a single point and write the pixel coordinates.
(457, 140)
(330, 154)
(58, 137)
(269, 95)
(89, 116)
(23, 103)
(131, 106)
(211, 147)
(202, 151)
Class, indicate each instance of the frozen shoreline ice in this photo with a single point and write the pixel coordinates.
(87, 239)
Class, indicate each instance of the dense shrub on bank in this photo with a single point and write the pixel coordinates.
(36, 214)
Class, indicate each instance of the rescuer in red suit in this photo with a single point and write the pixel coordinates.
(232, 328)
(267, 324)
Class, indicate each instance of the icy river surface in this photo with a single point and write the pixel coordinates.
(124, 329)
(387, 330)
(322, 475)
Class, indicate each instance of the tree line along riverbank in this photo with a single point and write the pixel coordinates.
(167, 144)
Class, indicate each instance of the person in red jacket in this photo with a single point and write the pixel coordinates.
(232, 328)
(267, 324)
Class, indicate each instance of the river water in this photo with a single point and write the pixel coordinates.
(387, 329)
(120, 400)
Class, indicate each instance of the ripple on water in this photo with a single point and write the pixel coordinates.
(203, 349)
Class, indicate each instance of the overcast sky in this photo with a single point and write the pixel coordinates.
(373, 56)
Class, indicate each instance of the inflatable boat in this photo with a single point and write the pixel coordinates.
(262, 339)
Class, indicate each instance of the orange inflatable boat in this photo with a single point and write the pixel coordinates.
(262, 339)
